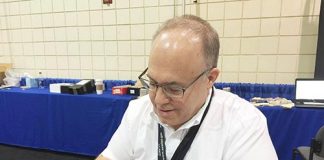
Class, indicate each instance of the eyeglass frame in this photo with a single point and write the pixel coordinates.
(147, 85)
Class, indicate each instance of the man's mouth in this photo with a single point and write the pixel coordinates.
(165, 112)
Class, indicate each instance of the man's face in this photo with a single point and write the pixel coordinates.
(176, 58)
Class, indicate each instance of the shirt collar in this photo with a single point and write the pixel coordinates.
(195, 120)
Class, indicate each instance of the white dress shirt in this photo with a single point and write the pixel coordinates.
(233, 129)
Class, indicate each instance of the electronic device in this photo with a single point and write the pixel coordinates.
(309, 93)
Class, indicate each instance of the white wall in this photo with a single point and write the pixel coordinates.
(262, 41)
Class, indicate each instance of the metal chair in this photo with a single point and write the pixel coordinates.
(315, 151)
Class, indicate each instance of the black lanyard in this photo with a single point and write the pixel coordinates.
(185, 144)
(161, 147)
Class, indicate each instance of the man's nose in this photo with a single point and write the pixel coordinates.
(160, 97)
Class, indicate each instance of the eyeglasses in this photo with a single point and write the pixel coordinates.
(171, 90)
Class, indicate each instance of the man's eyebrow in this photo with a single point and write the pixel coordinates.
(150, 77)
(167, 83)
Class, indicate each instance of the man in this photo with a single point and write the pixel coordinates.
(184, 116)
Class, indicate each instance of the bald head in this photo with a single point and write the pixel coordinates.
(177, 51)
(198, 30)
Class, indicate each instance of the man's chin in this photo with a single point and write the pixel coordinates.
(168, 122)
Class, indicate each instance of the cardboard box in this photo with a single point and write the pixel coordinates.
(2, 76)
(137, 91)
(82, 87)
(133, 91)
(77, 89)
(3, 68)
(66, 89)
(120, 90)
(72, 89)
(87, 85)
(56, 87)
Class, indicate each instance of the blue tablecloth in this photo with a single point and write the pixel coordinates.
(108, 83)
(290, 128)
(80, 124)
(84, 124)
(248, 90)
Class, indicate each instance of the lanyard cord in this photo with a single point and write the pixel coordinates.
(161, 147)
(185, 144)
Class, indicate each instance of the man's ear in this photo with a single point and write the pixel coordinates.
(212, 76)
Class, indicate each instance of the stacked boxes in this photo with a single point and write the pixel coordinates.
(130, 90)
(82, 87)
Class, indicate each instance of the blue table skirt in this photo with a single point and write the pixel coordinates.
(80, 124)
(84, 124)
(290, 128)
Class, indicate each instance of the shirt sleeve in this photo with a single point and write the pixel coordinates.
(119, 147)
(249, 139)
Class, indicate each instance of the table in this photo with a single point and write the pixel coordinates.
(290, 128)
(81, 124)
(84, 124)
(249, 90)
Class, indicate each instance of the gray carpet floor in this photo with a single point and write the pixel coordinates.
(19, 153)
